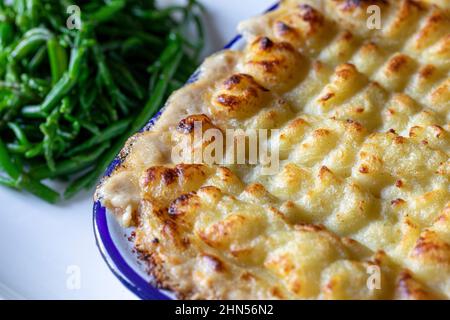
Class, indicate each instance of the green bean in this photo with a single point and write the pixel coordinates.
(148, 38)
(131, 44)
(65, 134)
(109, 108)
(76, 60)
(20, 90)
(22, 181)
(171, 50)
(158, 95)
(20, 135)
(35, 151)
(57, 93)
(108, 80)
(81, 183)
(90, 178)
(12, 72)
(33, 134)
(33, 112)
(66, 82)
(109, 133)
(38, 189)
(129, 81)
(72, 165)
(32, 6)
(6, 165)
(88, 95)
(13, 86)
(6, 34)
(58, 59)
(30, 42)
(49, 130)
(93, 6)
(38, 58)
(75, 124)
(152, 82)
(14, 104)
(67, 105)
(36, 86)
(90, 127)
(16, 148)
(107, 12)
(8, 182)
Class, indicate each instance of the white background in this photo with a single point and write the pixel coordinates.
(40, 243)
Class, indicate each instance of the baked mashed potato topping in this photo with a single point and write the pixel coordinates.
(363, 185)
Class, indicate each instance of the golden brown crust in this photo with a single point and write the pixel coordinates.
(276, 65)
(239, 97)
(363, 184)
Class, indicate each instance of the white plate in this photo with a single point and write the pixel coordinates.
(44, 248)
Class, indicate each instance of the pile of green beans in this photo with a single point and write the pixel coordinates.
(70, 97)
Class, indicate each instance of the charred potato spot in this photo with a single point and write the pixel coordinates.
(346, 79)
(187, 125)
(257, 193)
(312, 16)
(234, 233)
(431, 247)
(239, 97)
(396, 64)
(214, 263)
(396, 73)
(409, 288)
(288, 33)
(398, 202)
(277, 66)
(184, 205)
(164, 184)
(435, 27)
(304, 25)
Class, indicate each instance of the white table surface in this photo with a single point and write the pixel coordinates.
(49, 252)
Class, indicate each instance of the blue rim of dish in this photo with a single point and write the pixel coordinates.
(109, 251)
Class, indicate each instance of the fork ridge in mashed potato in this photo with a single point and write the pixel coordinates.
(360, 208)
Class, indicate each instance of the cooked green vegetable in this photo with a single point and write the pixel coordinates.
(70, 98)
(18, 179)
